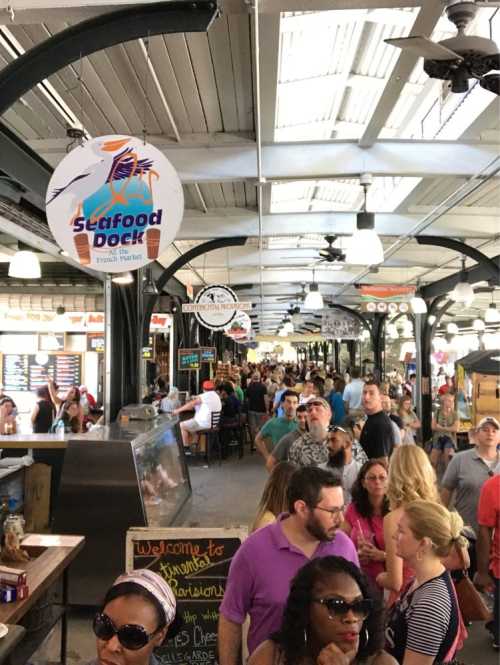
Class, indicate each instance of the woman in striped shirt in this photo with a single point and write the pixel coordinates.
(425, 626)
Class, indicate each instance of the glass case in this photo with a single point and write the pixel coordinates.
(114, 478)
(162, 474)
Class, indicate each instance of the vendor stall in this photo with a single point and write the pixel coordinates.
(478, 385)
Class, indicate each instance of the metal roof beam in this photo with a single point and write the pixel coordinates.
(425, 23)
(225, 222)
(40, 11)
(317, 160)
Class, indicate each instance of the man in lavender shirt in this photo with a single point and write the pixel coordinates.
(262, 569)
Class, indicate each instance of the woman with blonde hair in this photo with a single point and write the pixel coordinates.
(425, 625)
(411, 477)
(274, 497)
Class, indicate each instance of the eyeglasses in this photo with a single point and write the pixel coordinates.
(333, 511)
(373, 478)
(338, 608)
(131, 636)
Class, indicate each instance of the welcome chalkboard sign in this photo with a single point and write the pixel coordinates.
(195, 562)
(188, 359)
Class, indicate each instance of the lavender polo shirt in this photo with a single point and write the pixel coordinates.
(260, 574)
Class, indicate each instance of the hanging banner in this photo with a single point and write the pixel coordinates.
(337, 324)
(115, 203)
(219, 305)
(386, 298)
(240, 327)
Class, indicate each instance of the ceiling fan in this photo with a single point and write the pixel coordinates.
(459, 58)
(330, 253)
(300, 296)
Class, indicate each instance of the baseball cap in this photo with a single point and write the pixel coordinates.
(320, 400)
(156, 586)
(489, 420)
(208, 385)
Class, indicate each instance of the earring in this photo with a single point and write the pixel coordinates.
(365, 637)
(305, 637)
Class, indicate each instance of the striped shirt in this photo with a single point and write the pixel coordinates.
(425, 620)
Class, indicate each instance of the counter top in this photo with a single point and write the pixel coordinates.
(51, 555)
(34, 440)
(131, 431)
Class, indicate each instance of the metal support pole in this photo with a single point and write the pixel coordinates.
(171, 359)
(422, 384)
(108, 341)
(141, 364)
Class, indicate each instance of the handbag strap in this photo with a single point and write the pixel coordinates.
(459, 551)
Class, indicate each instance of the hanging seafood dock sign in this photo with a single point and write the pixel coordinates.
(114, 204)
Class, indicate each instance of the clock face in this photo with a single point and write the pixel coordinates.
(217, 294)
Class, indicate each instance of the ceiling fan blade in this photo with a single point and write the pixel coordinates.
(424, 48)
(492, 61)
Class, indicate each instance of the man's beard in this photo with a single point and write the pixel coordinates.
(337, 460)
(317, 431)
(317, 531)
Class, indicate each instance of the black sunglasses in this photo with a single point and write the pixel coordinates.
(131, 636)
(337, 608)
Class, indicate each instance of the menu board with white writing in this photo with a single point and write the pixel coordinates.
(195, 562)
(23, 372)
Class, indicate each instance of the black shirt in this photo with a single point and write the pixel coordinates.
(377, 437)
(256, 392)
(231, 407)
(44, 417)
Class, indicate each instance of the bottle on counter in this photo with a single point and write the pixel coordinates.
(14, 523)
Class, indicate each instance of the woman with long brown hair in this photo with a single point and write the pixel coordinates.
(274, 499)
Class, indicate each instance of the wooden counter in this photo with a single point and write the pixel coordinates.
(37, 441)
(55, 553)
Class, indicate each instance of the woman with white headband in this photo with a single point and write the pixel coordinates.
(138, 614)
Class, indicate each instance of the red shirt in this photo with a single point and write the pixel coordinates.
(488, 514)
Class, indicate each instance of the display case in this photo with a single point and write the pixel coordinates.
(114, 478)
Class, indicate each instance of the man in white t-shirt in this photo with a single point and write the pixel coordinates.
(203, 405)
(353, 393)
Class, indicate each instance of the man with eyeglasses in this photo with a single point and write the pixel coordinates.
(311, 448)
(262, 569)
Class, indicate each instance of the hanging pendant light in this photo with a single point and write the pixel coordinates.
(478, 325)
(418, 304)
(431, 320)
(25, 265)
(314, 299)
(463, 291)
(364, 247)
(123, 278)
(492, 315)
(452, 329)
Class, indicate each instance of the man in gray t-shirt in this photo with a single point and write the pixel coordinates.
(468, 471)
(282, 448)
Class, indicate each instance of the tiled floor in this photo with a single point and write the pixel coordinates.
(223, 495)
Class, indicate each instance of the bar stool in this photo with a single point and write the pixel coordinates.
(212, 435)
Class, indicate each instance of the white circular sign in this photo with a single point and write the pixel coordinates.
(115, 203)
(219, 296)
(240, 326)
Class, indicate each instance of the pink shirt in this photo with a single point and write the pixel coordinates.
(372, 529)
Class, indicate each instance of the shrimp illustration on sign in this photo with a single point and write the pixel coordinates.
(111, 201)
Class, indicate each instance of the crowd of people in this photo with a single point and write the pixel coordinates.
(71, 410)
(361, 551)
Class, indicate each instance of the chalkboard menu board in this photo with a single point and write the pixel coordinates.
(195, 562)
(188, 359)
(22, 371)
(208, 354)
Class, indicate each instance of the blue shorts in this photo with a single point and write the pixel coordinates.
(443, 443)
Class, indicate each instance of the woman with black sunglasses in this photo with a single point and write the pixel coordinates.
(138, 614)
(332, 617)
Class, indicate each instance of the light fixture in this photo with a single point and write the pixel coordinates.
(42, 358)
(478, 325)
(123, 278)
(25, 265)
(463, 291)
(288, 326)
(431, 320)
(392, 331)
(314, 299)
(418, 304)
(282, 332)
(492, 315)
(364, 247)
(149, 288)
(60, 310)
(452, 328)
